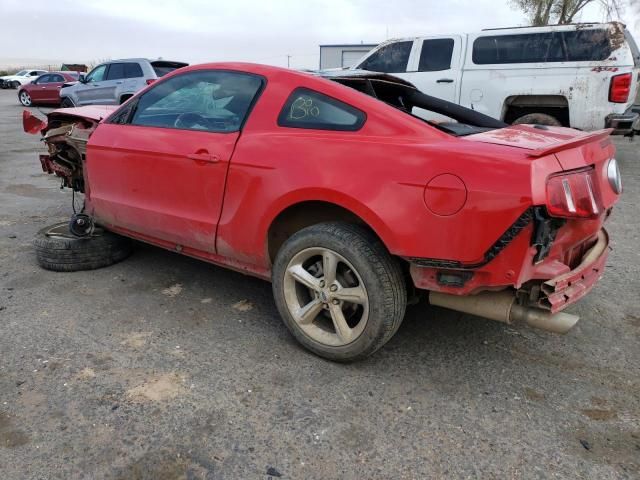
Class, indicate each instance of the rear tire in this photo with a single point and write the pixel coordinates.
(328, 279)
(537, 119)
(60, 251)
(66, 103)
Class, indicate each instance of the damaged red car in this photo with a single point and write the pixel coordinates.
(327, 186)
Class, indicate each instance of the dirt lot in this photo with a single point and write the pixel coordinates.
(162, 367)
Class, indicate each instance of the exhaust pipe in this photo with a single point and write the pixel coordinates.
(501, 307)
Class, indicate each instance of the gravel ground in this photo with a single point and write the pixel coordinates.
(163, 367)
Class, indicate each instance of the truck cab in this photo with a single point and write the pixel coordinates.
(582, 76)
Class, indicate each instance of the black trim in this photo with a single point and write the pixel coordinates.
(505, 239)
(283, 120)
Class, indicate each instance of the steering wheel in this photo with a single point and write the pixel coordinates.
(191, 120)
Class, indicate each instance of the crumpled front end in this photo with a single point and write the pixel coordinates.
(66, 135)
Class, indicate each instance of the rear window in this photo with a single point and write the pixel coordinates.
(162, 68)
(567, 46)
(309, 109)
(391, 58)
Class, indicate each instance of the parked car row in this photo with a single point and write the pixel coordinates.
(110, 83)
(21, 78)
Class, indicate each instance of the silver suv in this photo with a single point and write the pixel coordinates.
(113, 82)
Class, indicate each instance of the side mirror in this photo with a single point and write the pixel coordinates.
(82, 78)
(32, 81)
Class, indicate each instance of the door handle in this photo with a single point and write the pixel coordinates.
(444, 80)
(203, 156)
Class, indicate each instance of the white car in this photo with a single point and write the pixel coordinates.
(21, 78)
(584, 76)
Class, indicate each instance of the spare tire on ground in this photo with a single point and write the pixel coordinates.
(59, 250)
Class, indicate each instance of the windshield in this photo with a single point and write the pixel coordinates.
(21, 73)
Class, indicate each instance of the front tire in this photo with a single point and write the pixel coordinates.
(25, 98)
(15, 84)
(338, 290)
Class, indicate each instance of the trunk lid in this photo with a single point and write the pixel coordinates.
(572, 148)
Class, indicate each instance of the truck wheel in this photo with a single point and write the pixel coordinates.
(59, 250)
(537, 119)
(338, 290)
(67, 103)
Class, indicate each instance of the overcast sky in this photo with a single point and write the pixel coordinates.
(196, 31)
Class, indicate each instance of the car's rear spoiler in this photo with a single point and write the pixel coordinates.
(571, 143)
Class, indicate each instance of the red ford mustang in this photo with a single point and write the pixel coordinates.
(45, 89)
(331, 189)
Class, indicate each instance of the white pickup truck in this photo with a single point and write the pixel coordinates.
(585, 75)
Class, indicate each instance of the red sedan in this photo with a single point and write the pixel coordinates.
(45, 89)
(331, 189)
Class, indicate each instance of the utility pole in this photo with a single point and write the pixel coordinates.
(288, 61)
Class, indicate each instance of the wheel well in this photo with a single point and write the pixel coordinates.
(518, 105)
(125, 97)
(302, 215)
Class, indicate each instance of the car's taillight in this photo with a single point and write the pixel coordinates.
(620, 88)
(573, 194)
(150, 81)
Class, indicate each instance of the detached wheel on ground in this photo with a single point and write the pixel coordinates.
(538, 119)
(338, 290)
(59, 250)
(25, 98)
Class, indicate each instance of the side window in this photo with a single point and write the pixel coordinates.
(97, 74)
(436, 55)
(44, 79)
(35, 74)
(132, 70)
(308, 109)
(559, 46)
(212, 101)
(391, 58)
(57, 79)
(116, 71)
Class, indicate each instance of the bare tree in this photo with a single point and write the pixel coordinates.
(562, 12)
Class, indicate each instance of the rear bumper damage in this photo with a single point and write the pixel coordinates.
(562, 291)
(541, 306)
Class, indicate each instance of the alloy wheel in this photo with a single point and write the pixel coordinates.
(25, 99)
(326, 296)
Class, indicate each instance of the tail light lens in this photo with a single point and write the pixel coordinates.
(620, 88)
(150, 81)
(573, 194)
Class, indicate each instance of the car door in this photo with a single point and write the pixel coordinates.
(37, 90)
(435, 69)
(51, 88)
(112, 83)
(88, 92)
(158, 166)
